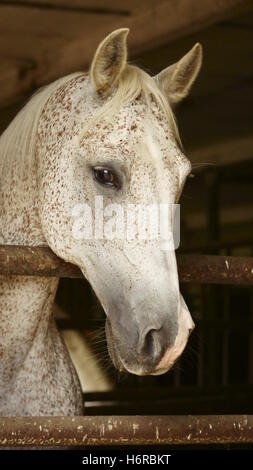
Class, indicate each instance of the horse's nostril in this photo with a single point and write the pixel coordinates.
(149, 343)
(152, 346)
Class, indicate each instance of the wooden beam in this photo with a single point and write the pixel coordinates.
(159, 25)
(41, 261)
(82, 6)
(15, 77)
(178, 18)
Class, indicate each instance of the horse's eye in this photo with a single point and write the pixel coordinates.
(106, 177)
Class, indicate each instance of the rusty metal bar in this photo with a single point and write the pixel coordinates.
(125, 430)
(41, 261)
(211, 269)
(34, 261)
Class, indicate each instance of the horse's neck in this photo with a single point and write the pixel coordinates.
(25, 309)
(36, 374)
(19, 218)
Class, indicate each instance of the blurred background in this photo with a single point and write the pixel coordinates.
(41, 40)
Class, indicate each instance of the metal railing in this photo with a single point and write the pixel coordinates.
(208, 269)
(126, 430)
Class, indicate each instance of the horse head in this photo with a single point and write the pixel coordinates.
(107, 145)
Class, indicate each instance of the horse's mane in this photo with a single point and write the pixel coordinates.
(18, 140)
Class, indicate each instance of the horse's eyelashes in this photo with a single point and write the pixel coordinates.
(106, 177)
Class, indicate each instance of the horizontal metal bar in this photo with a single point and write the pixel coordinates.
(34, 261)
(211, 269)
(41, 261)
(125, 430)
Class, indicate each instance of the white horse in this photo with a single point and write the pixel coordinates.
(108, 133)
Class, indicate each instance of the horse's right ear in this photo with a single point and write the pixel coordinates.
(109, 61)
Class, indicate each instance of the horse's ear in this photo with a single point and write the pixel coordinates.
(177, 79)
(109, 61)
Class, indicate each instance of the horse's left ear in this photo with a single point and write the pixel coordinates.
(177, 79)
(109, 61)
